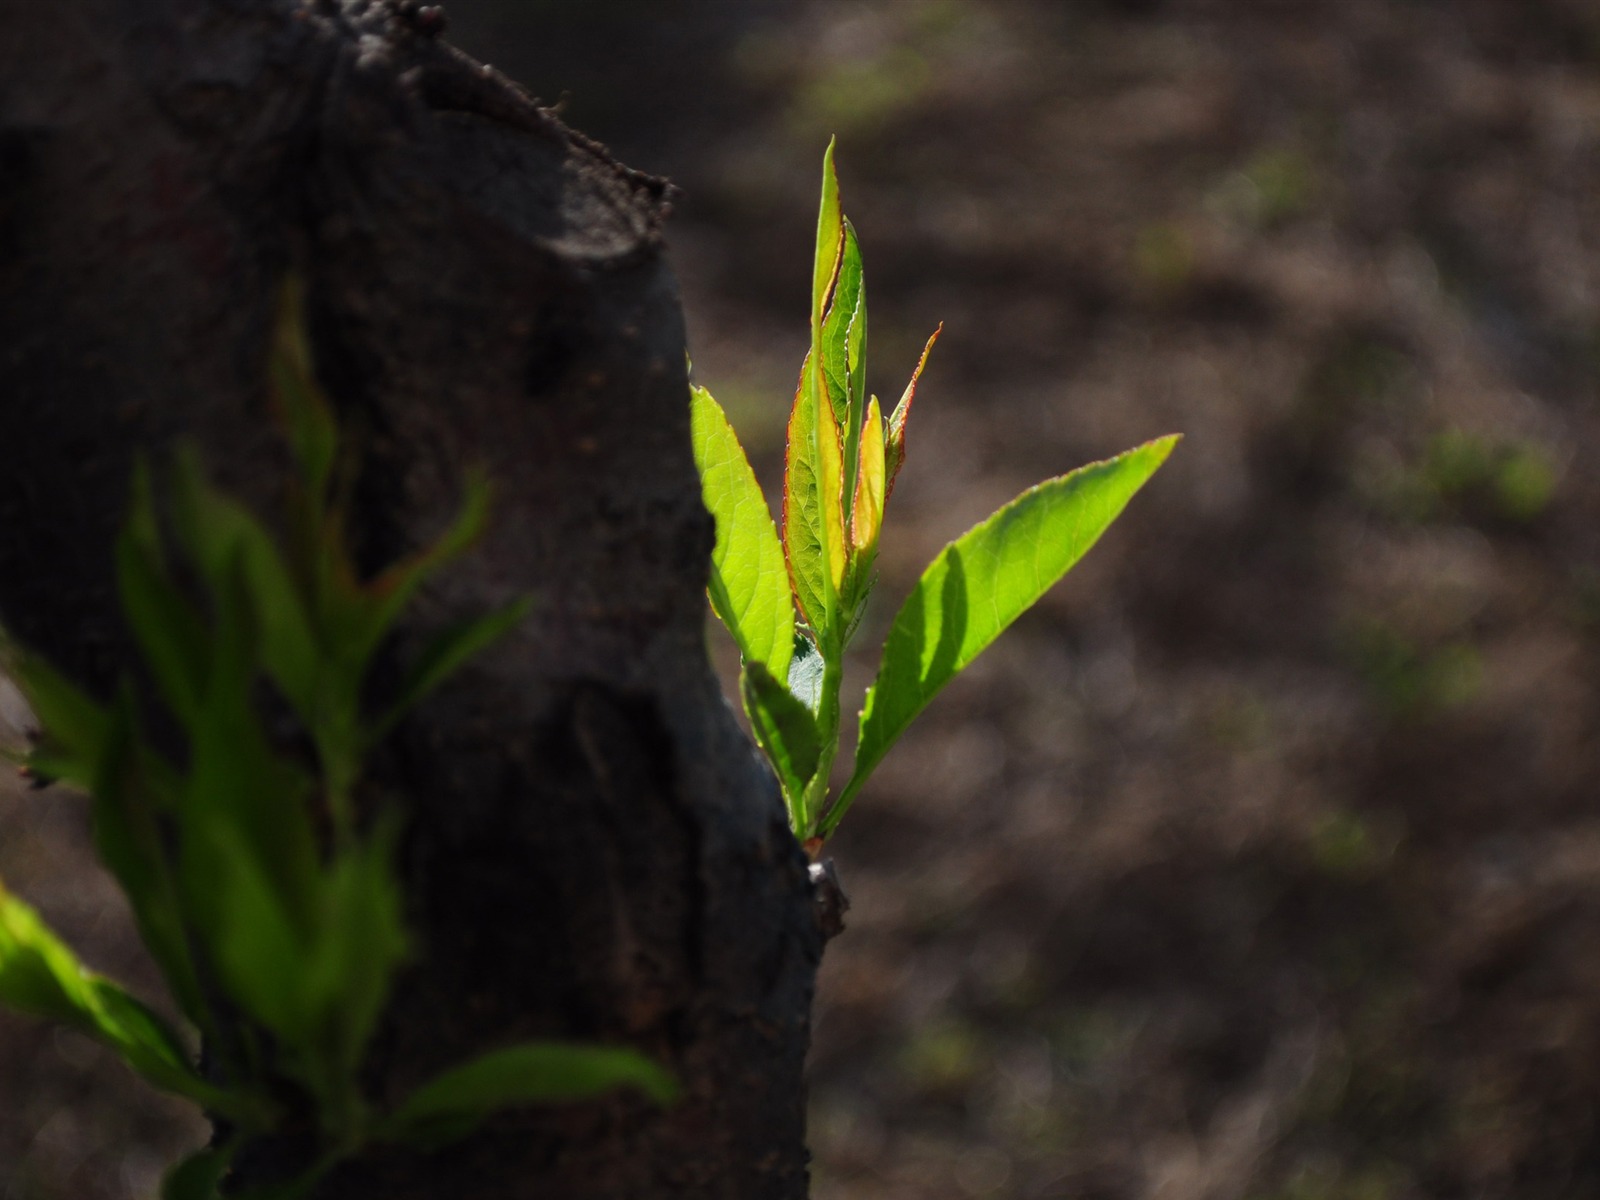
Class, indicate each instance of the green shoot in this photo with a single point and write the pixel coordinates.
(270, 902)
(793, 627)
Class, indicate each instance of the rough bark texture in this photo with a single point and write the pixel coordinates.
(595, 851)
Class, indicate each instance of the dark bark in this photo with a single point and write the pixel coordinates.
(595, 851)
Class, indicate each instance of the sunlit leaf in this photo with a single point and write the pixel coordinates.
(37, 973)
(830, 238)
(749, 583)
(813, 499)
(867, 512)
(844, 328)
(40, 975)
(979, 584)
(813, 514)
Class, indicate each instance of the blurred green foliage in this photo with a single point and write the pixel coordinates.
(1408, 679)
(1463, 475)
(944, 1057)
(261, 875)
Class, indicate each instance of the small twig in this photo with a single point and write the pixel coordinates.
(827, 894)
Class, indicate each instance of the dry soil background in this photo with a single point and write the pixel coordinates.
(1263, 859)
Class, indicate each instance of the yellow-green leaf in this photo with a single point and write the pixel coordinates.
(830, 237)
(844, 332)
(979, 584)
(41, 976)
(749, 584)
(813, 515)
(867, 513)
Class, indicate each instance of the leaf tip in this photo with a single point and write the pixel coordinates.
(1162, 447)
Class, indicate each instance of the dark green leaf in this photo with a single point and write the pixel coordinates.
(166, 625)
(223, 538)
(305, 413)
(240, 796)
(74, 726)
(787, 732)
(448, 651)
(395, 587)
(360, 942)
(532, 1073)
(130, 789)
(199, 1176)
(259, 948)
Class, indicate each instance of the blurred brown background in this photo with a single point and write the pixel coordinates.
(1262, 860)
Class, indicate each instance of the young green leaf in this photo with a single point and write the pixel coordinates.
(74, 725)
(258, 947)
(359, 944)
(534, 1072)
(448, 651)
(221, 536)
(786, 731)
(163, 621)
(813, 482)
(813, 513)
(238, 788)
(40, 975)
(866, 519)
(395, 587)
(132, 792)
(830, 244)
(749, 584)
(151, 1047)
(844, 330)
(982, 582)
(895, 432)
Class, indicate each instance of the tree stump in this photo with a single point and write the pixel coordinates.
(594, 850)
